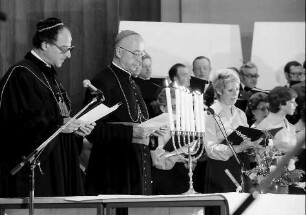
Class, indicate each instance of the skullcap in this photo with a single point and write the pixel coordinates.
(124, 34)
(48, 23)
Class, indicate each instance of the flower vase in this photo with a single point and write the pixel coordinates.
(278, 189)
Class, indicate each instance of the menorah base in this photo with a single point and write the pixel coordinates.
(191, 191)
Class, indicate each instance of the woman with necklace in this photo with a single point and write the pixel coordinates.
(33, 105)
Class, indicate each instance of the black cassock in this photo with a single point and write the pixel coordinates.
(149, 91)
(117, 165)
(32, 108)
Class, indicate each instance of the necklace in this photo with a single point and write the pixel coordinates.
(140, 116)
(61, 101)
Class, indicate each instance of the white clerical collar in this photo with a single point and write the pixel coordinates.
(143, 78)
(122, 68)
(37, 56)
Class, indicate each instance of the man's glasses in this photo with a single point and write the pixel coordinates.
(250, 75)
(63, 49)
(136, 53)
(297, 74)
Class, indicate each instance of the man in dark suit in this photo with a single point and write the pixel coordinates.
(148, 88)
(201, 68)
(294, 73)
(248, 76)
(296, 78)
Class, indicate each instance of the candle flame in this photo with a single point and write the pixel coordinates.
(197, 92)
(166, 82)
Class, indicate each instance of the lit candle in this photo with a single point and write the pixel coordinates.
(192, 122)
(178, 106)
(187, 110)
(197, 111)
(169, 106)
(202, 124)
(183, 107)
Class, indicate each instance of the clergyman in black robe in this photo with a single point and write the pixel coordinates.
(120, 161)
(33, 105)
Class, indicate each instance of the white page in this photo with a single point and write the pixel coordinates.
(157, 122)
(98, 112)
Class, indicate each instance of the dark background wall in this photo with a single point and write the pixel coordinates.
(93, 23)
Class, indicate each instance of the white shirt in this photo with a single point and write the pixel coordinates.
(231, 117)
(285, 139)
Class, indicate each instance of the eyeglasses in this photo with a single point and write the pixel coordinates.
(297, 74)
(136, 53)
(63, 49)
(250, 75)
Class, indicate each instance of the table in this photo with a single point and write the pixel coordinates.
(105, 204)
(50, 206)
(267, 204)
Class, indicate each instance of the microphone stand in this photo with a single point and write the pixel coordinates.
(229, 144)
(32, 158)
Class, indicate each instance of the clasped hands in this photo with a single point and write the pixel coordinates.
(79, 127)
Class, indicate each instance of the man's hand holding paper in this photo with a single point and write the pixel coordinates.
(142, 135)
(79, 127)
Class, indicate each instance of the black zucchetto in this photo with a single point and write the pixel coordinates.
(48, 23)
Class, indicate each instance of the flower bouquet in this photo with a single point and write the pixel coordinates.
(267, 159)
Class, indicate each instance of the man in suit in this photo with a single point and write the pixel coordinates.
(179, 73)
(296, 79)
(294, 73)
(148, 88)
(201, 68)
(248, 76)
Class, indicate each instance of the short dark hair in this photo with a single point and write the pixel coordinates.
(279, 96)
(47, 31)
(248, 65)
(146, 56)
(289, 64)
(255, 99)
(173, 70)
(199, 58)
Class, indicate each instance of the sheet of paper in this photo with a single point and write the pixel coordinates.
(98, 112)
(157, 122)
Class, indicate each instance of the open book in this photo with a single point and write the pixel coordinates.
(241, 133)
(97, 112)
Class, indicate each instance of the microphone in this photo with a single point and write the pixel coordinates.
(209, 110)
(87, 84)
(96, 91)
